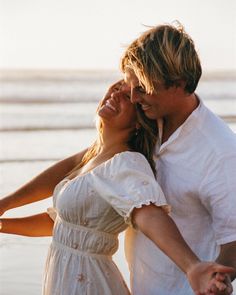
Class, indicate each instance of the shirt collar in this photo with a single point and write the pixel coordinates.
(187, 124)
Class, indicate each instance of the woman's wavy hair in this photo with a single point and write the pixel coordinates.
(142, 140)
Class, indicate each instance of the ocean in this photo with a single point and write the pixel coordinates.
(46, 116)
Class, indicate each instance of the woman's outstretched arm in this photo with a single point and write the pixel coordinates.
(39, 225)
(41, 186)
(162, 230)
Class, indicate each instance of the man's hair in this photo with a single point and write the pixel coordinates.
(166, 55)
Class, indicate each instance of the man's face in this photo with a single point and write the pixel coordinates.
(161, 103)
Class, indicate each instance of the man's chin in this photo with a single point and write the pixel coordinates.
(150, 115)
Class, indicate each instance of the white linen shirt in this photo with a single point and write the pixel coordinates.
(196, 169)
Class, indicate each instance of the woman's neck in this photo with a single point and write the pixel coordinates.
(113, 147)
(113, 143)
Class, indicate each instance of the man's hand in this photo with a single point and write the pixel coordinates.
(214, 288)
(226, 257)
(204, 280)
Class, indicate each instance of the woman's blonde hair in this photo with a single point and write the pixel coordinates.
(142, 140)
(165, 55)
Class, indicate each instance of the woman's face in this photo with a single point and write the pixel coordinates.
(116, 108)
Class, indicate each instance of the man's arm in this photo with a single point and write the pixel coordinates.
(227, 256)
(41, 186)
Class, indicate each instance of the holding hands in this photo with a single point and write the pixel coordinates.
(225, 290)
(210, 278)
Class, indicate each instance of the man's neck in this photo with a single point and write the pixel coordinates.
(173, 121)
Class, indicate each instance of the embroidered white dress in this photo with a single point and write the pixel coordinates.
(90, 211)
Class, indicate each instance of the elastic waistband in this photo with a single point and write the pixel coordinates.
(79, 252)
(87, 229)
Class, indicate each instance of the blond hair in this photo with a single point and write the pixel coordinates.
(142, 140)
(165, 55)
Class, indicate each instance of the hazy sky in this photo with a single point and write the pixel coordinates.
(92, 34)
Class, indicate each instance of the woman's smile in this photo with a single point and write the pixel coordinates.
(110, 104)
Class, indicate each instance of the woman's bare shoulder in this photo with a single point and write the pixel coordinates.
(77, 158)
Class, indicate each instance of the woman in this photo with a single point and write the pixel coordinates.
(97, 194)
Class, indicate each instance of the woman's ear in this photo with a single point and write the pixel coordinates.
(137, 126)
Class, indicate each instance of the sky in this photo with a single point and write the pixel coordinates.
(86, 34)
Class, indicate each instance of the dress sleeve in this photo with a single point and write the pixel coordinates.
(127, 182)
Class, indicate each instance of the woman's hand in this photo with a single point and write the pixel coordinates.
(209, 278)
(225, 278)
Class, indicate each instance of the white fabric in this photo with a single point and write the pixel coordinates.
(90, 211)
(196, 168)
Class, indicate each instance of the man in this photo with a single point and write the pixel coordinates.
(195, 160)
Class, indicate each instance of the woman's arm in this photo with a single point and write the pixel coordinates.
(41, 186)
(39, 225)
(162, 230)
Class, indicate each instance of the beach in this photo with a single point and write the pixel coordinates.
(46, 116)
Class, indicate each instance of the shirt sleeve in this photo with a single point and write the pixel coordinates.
(218, 195)
(127, 182)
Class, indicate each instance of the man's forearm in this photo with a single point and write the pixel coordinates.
(227, 256)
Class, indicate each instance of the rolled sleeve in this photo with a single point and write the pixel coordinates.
(218, 194)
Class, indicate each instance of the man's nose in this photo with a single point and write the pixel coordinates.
(134, 97)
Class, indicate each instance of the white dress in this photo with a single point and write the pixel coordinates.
(90, 211)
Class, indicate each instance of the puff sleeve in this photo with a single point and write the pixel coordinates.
(127, 182)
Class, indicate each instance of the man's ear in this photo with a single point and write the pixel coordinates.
(181, 84)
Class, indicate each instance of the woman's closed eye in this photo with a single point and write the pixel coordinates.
(127, 95)
(140, 89)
